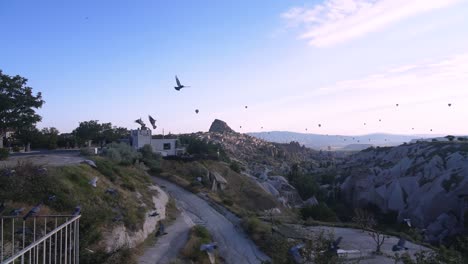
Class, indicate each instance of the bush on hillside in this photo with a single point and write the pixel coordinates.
(114, 155)
(319, 212)
(273, 244)
(127, 154)
(198, 235)
(235, 166)
(150, 159)
(204, 149)
(4, 153)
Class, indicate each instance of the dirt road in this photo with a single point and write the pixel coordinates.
(234, 245)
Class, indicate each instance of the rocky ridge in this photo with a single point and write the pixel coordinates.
(426, 182)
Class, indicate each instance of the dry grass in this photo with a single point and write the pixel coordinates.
(242, 196)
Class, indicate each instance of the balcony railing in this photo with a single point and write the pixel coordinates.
(40, 239)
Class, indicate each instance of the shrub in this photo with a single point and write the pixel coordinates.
(4, 153)
(235, 166)
(319, 212)
(198, 236)
(228, 202)
(114, 155)
(150, 159)
(275, 245)
(127, 153)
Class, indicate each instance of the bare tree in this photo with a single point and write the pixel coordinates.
(366, 221)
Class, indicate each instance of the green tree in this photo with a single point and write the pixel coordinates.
(18, 104)
(99, 133)
(50, 137)
(87, 130)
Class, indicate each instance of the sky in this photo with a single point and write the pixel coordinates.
(294, 64)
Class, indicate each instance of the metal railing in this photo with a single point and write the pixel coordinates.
(41, 239)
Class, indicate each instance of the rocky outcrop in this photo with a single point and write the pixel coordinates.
(120, 237)
(285, 193)
(219, 126)
(422, 181)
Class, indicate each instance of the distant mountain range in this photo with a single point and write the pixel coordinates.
(337, 142)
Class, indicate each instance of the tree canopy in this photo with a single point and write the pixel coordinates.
(18, 104)
(99, 133)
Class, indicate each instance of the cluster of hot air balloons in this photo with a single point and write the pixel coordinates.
(180, 86)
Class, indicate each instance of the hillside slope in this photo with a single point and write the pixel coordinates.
(425, 182)
(115, 213)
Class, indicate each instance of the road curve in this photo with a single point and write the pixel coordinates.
(233, 244)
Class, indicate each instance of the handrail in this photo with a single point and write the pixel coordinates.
(42, 239)
(37, 216)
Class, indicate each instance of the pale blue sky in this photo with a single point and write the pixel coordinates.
(340, 63)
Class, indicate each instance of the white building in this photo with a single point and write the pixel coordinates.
(163, 146)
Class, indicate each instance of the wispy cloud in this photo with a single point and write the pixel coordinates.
(444, 76)
(338, 21)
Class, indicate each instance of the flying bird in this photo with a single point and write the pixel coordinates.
(334, 246)
(93, 182)
(77, 210)
(117, 218)
(153, 214)
(141, 123)
(90, 163)
(161, 230)
(34, 211)
(52, 198)
(294, 252)
(16, 212)
(112, 191)
(380, 120)
(196, 111)
(152, 121)
(319, 125)
(400, 245)
(210, 247)
(407, 221)
(397, 104)
(449, 105)
(245, 107)
(179, 85)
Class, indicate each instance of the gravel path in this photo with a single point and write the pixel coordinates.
(234, 246)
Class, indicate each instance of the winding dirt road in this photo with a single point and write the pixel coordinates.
(234, 245)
